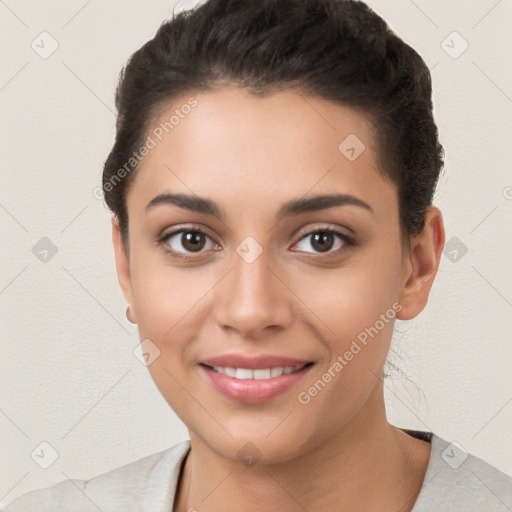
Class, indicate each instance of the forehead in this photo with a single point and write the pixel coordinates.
(259, 151)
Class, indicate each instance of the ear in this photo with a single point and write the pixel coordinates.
(122, 262)
(421, 266)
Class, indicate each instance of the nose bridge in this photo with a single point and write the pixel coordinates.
(251, 297)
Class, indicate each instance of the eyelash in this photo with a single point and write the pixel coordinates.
(347, 240)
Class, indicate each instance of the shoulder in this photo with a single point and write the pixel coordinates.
(458, 481)
(149, 481)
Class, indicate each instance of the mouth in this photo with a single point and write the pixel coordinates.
(257, 384)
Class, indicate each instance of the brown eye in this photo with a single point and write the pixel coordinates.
(188, 241)
(323, 241)
(192, 241)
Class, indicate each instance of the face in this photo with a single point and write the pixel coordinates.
(272, 309)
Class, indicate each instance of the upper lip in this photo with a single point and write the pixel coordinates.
(253, 362)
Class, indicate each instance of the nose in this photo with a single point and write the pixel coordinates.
(253, 299)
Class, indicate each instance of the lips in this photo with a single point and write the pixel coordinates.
(253, 379)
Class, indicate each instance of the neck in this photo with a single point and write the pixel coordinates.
(368, 465)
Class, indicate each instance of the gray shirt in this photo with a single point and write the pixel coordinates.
(454, 481)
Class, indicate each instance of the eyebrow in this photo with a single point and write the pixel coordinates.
(293, 207)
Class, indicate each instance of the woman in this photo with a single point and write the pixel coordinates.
(271, 183)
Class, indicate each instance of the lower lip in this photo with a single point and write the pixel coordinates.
(253, 391)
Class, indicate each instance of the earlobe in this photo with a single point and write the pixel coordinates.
(423, 262)
(122, 261)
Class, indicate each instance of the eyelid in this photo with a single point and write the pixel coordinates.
(348, 240)
(347, 243)
(187, 227)
(325, 227)
(167, 234)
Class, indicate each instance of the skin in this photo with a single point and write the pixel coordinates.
(251, 155)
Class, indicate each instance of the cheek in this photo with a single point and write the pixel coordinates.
(357, 304)
(357, 310)
(166, 296)
(347, 300)
(358, 324)
(169, 304)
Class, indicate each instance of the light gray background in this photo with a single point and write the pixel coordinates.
(69, 376)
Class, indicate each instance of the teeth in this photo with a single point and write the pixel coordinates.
(231, 372)
(262, 374)
(276, 372)
(242, 373)
(259, 374)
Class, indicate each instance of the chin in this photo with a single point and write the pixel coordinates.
(266, 442)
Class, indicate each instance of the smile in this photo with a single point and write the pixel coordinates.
(254, 385)
(259, 374)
